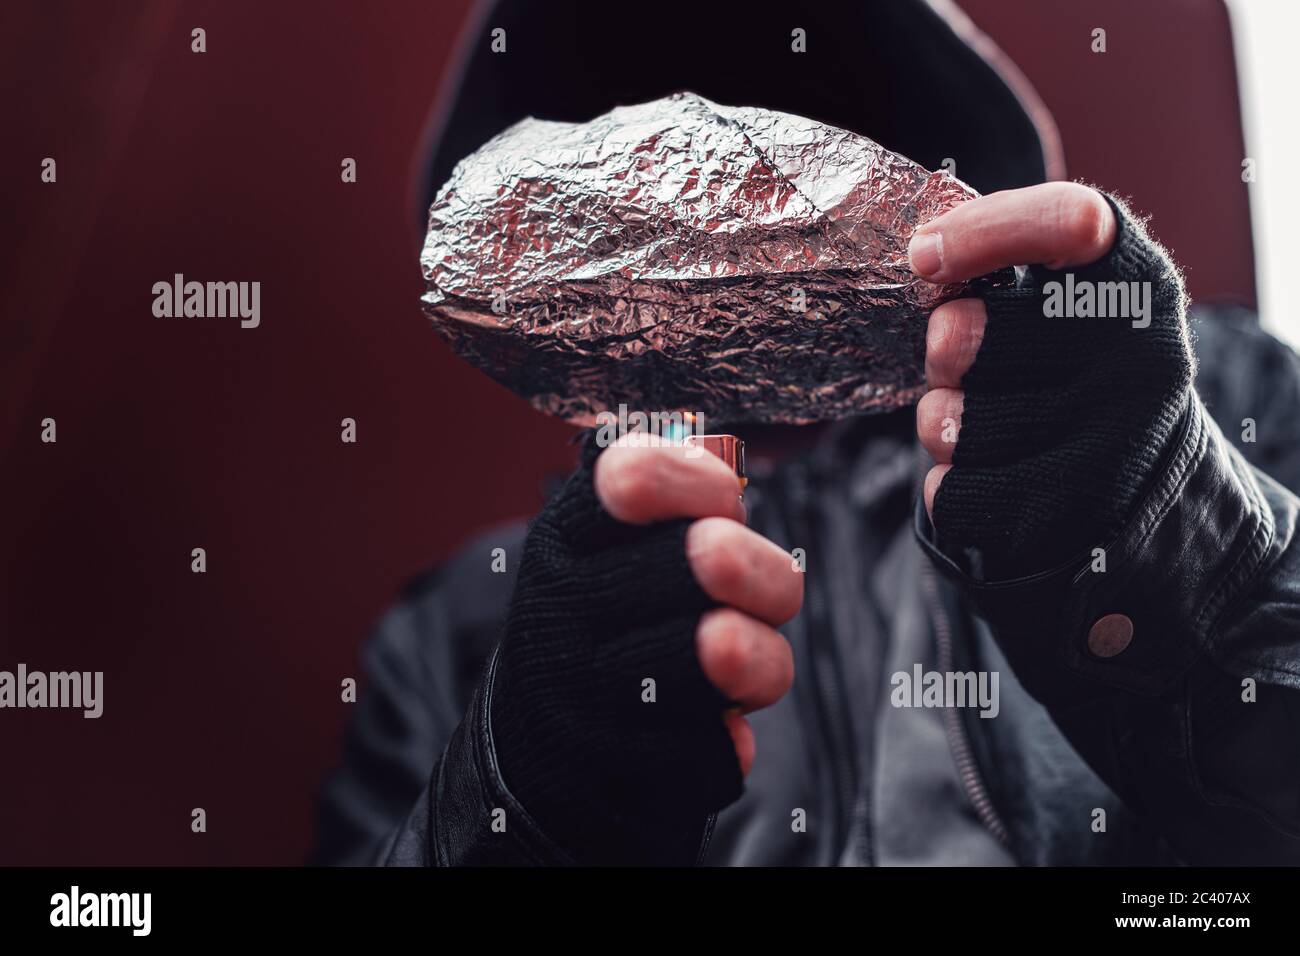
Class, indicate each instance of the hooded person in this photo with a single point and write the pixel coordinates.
(1073, 641)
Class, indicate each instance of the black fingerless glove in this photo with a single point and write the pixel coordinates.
(599, 608)
(1066, 419)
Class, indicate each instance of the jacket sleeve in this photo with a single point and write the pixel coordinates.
(466, 816)
(418, 785)
(1193, 715)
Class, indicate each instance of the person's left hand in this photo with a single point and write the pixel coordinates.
(1056, 224)
(1025, 413)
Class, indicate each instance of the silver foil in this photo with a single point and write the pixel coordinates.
(680, 255)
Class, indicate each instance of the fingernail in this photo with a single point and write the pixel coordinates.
(926, 252)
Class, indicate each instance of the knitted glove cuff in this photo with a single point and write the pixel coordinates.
(1075, 392)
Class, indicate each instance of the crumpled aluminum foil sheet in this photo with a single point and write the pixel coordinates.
(679, 255)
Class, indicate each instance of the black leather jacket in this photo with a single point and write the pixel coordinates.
(1160, 736)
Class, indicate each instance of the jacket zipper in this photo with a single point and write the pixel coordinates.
(958, 742)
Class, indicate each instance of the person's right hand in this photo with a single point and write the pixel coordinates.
(642, 628)
(753, 580)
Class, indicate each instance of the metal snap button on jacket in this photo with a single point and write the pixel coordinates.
(1110, 635)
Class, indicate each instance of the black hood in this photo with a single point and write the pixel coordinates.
(915, 76)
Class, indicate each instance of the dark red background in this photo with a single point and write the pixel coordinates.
(222, 689)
